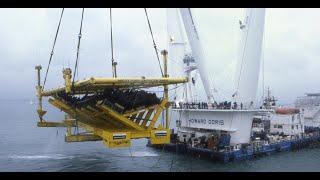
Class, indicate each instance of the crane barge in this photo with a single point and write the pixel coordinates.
(240, 129)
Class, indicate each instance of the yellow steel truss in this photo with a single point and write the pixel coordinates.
(102, 122)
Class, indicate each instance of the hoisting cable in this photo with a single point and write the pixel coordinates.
(76, 69)
(154, 44)
(160, 156)
(162, 151)
(242, 57)
(78, 49)
(114, 64)
(52, 51)
(174, 160)
(130, 153)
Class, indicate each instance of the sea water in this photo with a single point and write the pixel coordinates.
(26, 147)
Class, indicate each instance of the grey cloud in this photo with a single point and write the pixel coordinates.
(291, 47)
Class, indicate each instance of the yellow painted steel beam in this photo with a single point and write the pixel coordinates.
(147, 117)
(108, 136)
(52, 124)
(61, 106)
(95, 113)
(159, 109)
(94, 84)
(82, 138)
(133, 116)
(107, 132)
(100, 119)
(128, 82)
(80, 115)
(139, 118)
(137, 110)
(67, 79)
(140, 134)
(116, 116)
(104, 118)
(104, 123)
(155, 139)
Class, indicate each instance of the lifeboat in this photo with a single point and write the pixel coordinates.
(285, 110)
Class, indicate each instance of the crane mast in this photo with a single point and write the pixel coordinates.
(249, 57)
(196, 49)
(176, 51)
(236, 118)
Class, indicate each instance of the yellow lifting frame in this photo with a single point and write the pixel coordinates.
(102, 122)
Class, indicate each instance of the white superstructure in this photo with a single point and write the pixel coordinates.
(310, 104)
(233, 119)
(291, 124)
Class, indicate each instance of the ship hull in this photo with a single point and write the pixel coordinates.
(237, 122)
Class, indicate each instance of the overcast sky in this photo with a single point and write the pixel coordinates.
(291, 47)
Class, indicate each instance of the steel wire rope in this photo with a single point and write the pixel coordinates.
(134, 103)
(154, 44)
(173, 161)
(52, 50)
(262, 61)
(157, 162)
(219, 89)
(245, 45)
(168, 89)
(78, 50)
(130, 153)
(113, 63)
(76, 69)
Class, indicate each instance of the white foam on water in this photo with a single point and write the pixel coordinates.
(33, 157)
(143, 154)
